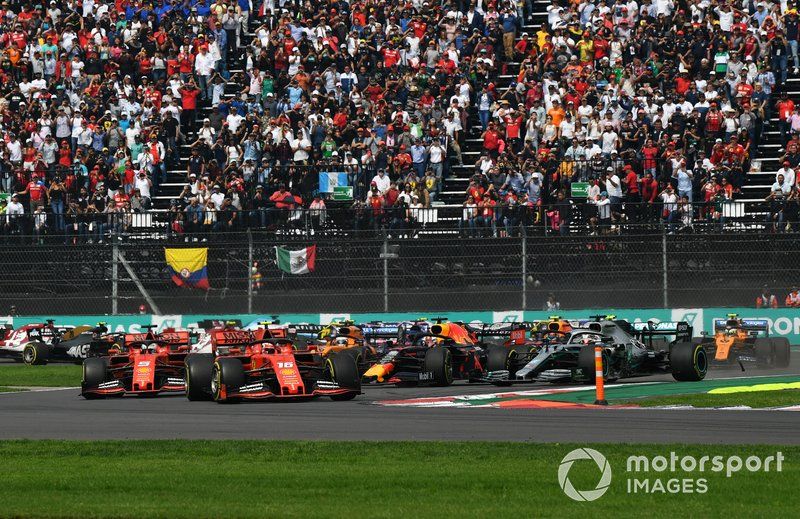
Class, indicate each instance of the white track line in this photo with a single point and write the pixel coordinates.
(33, 389)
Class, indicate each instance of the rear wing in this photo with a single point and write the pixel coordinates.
(303, 329)
(132, 338)
(380, 330)
(513, 332)
(177, 338)
(682, 330)
(232, 337)
(755, 325)
(210, 324)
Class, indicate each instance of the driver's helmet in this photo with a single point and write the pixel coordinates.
(340, 341)
(731, 331)
(590, 339)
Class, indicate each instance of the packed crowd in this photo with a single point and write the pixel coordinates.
(659, 107)
(660, 103)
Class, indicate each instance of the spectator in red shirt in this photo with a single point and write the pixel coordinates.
(649, 193)
(36, 191)
(189, 93)
(491, 140)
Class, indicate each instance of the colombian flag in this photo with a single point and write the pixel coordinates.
(188, 267)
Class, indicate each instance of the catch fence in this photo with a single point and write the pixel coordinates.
(372, 273)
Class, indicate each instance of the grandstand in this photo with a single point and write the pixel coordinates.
(748, 205)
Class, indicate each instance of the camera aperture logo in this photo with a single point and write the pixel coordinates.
(672, 474)
(602, 465)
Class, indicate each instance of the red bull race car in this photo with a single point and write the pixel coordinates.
(254, 365)
(145, 364)
(431, 354)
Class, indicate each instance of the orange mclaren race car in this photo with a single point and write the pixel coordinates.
(737, 341)
(254, 365)
(364, 342)
(144, 364)
(433, 354)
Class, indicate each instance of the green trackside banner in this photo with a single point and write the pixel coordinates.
(784, 322)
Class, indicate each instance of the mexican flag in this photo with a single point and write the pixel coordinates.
(296, 261)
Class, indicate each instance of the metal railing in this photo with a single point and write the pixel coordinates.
(575, 216)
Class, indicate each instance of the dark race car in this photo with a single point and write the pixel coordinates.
(253, 365)
(144, 364)
(74, 345)
(628, 350)
(434, 355)
(737, 342)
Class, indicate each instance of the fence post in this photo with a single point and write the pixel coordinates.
(524, 270)
(114, 276)
(249, 271)
(664, 268)
(385, 274)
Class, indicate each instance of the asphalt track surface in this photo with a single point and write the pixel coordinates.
(63, 414)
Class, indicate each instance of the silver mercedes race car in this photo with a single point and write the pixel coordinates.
(561, 352)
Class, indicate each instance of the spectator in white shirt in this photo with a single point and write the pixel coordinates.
(787, 172)
(381, 181)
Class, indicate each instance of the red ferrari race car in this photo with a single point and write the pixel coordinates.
(254, 365)
(144, 364)
(432, 354)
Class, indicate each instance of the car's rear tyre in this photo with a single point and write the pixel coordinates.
(228, 373)
(765, 355)
(439, 361)
(95, 372)
(198, 376)
(586, 364)
(688, 362)
(782, 352)
(35, 354)
(344, 371)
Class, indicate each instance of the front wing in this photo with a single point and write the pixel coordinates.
(262, 391)
(118, 388)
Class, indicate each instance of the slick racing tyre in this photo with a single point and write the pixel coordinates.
(781, 350)
(497, 359)
(344, 371)
(765, 356)
(586, 364)
(198, 376)
(95, 372)
(228, 373)
(353, 352)
(689, 362)
(35, 354)
(439, 361)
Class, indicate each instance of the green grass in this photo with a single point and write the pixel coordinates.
(52, 375)
(10, 389)
(781, 398)
(306, 479)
